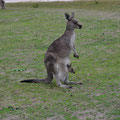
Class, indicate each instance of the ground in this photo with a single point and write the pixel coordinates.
(26, 31)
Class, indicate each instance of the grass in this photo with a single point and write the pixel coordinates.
(109, 5)
(26, 33)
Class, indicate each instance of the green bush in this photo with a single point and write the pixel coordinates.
(35, 5)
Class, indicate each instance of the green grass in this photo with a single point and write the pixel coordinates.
(25, 34)
(109, 5)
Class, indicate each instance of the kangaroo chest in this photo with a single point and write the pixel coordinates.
(72, 41)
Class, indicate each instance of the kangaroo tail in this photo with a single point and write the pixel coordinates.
(35, 81)
(46, 80)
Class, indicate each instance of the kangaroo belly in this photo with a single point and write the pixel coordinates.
(61, 66)
(61, 70)
(66, 61)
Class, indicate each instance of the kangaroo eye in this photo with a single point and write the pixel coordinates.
(75, 22)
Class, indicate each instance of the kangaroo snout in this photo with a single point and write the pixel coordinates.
(73, 71)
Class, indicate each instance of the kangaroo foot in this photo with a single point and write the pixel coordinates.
(66, 86)
(71, 82)
(80, 83)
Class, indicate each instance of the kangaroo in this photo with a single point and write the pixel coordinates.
(70, 69)
(2, 4)
(57, 56)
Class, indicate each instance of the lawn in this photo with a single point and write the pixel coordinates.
(26, 31)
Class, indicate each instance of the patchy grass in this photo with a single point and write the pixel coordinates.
(104, 5)
(26, 33)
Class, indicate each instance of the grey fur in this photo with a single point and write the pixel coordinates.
(2, 4)
(58, 53)
(70, 69)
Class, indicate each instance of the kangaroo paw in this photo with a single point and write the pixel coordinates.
(76, 55)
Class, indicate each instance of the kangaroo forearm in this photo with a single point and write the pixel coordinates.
(75, 52)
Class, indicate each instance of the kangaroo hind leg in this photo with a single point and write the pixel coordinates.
(67, 82)
(58, 81)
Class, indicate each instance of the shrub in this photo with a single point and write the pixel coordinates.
(35, 5)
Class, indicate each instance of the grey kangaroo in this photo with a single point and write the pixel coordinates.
(2, 4)
(70, 69)
(57, 56)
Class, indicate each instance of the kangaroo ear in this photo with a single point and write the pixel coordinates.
(72, 16)
(67, 16)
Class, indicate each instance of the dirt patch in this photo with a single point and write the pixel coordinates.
(56, 117)
(89, 114)
(12, 118)
(29, 71)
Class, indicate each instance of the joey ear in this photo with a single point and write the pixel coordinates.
(67, 16)
(72, 16)
(68, 66)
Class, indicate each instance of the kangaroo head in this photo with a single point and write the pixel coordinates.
(72, 23)
(70, 69)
